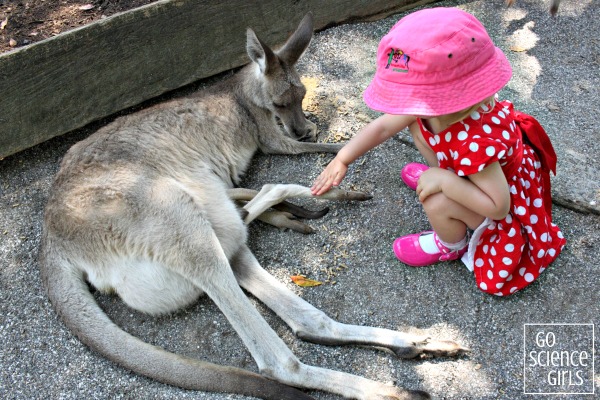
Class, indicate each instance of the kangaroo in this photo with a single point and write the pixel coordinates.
(145, 208)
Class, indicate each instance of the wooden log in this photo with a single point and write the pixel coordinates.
(63, 83)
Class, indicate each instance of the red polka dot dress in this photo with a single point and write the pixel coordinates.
(505, 255)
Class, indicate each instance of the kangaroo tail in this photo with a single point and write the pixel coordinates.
(74, 303)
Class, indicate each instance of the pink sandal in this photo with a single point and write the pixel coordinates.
(408, 250)
(411, 172)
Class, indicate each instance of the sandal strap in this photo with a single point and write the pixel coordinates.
(447, 253)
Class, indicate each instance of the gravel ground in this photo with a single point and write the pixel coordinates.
(556, 63)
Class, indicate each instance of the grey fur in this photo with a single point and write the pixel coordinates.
(142, 208)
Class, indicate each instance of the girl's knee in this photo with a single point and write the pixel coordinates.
(437, 204)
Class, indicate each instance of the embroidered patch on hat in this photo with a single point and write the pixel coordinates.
(397, 60)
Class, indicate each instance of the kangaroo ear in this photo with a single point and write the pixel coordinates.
(298, 42)
(260, 53)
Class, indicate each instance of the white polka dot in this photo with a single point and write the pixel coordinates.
(542, 269)
(512, 232)
(490, 274)
(510, 277)
(507, 261)
(541, 253)
(529, 277)
(466, 127)
(503, 273)
(501, 154)
(510, 152)
(460, 173)
(495, 120)
(465, 161)
(483, 286)
(544, 237)
(490, 151)
(473, 147)
(432, 141)
(508, 219)
(513, 189)
(522, 271)
(521, 210)
(499, 285)
(462, 135)
(501, 114)
(537, 203)
(487, 128)
(475, 115)
(491, 263)
(493, 251)
(448, 136)
(481, 167)
(513, 289)
(551, 252)
(560, 235)
(509, 247)
(533, 218)
(479, 262)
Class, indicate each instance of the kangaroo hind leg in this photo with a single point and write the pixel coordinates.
(314, 325)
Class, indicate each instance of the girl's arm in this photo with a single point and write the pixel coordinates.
(485, 192)
(373, 134)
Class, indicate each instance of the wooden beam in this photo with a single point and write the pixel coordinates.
(63, 83)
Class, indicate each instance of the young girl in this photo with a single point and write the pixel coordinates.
(437, 74)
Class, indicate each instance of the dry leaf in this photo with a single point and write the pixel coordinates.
(12, 43)
(303, 281)
(3, 23)
(518, 49)
(86, 7)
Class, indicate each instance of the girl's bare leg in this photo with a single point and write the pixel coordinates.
(449, 219)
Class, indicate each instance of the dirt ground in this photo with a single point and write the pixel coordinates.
(23, 22)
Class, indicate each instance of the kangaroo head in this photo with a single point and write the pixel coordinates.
(277, 86)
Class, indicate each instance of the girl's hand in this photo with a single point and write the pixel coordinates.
(430, 182)
(332, 175)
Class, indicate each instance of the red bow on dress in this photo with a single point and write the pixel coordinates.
(538, 139)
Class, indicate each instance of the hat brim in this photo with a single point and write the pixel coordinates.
(430, 100)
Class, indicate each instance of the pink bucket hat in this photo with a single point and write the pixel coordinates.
(435, 62)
